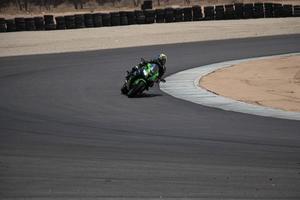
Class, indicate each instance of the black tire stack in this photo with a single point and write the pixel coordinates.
(149, 16)
(2, 25)
(39, 23)
(131, 17)
(147, 5)
(123, 18)
(88, 20)
(278, 10)
(49, 22)
(197, 13)
(60, 22)
(97, 20)
(219, 12)
(187, 14)
(209, 13)
(288, 10)
(229, 11)
(140, 17)
(20, 24)
(248, 11)
(106, 19)
(160, 15)
(178, 15)
(268, 10)
(115, 19)
(79, 21)
(296, 12)
(29, 24)
(239, 10)
(169, 15)
(10, 25)
(70, 21)
(258, 11)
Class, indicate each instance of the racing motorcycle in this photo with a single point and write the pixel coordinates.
(140, 79)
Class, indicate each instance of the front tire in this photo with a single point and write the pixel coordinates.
(138, 89)
(124, 89)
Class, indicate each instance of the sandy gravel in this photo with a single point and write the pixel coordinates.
(25, 43)
(270, 82)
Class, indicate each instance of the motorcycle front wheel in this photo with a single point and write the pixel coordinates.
(137, 89)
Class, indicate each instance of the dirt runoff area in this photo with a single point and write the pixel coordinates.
(41, 42)
(271, 82)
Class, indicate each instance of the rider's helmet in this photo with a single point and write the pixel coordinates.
(162, 59)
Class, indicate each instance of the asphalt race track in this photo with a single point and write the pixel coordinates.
(67, 133)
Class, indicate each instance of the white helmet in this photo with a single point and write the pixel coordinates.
(162, 58)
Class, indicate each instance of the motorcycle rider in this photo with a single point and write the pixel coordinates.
(160, 61)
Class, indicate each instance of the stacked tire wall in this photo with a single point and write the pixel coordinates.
(147, 15)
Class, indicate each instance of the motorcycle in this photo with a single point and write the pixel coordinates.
(140, 79)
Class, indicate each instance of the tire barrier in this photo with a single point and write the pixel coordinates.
(140, 17)
(268, 10)
(88, 20)
(239, 10)
(288, 10)
(248, 11)
(187, 14)
(278, 10)
(160, 15)
(123, 18)
(229, 12)
(131, 17)
(115, 19)
(197, 13)
(49, 22)
(258, 10)
(149, 16)
(146, 5)
(178, 15)
(209, 13)
(296, 11)
(106, 19)
(30, 24)
(60, 23)
(79, 21)
(2, 25)
(169, 15)
(97, 20)
(219, 12)
(70, 22)
(39, 23)
(20, 24)
(10, 25)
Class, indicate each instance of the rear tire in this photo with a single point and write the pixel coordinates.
(138, 89)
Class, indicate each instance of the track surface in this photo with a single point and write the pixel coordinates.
(66, 132)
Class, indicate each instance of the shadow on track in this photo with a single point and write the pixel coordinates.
(147, 95)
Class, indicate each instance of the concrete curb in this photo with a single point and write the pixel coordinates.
(184, 85)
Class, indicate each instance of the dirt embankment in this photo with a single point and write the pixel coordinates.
(270, 82)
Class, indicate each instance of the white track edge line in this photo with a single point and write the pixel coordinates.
(185, 85)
